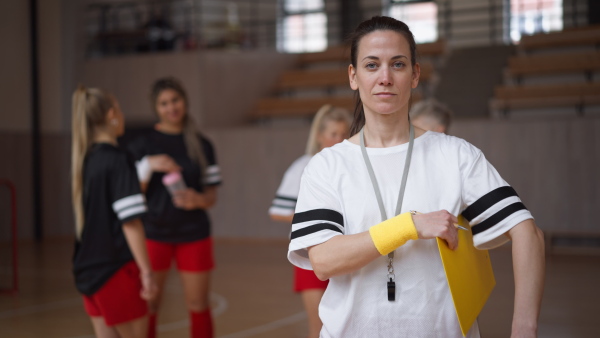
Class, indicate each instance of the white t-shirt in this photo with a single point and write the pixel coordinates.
(285, 199)
(337, 198)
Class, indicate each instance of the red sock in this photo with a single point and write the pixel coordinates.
(152, 325)
(202, 326)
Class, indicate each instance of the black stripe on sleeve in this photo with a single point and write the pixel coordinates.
(498, 217)
(286, 198)
(487, 200)
(311, 229)
(319, 215)
(275, 204)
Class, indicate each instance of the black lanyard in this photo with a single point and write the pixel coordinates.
(391, 284)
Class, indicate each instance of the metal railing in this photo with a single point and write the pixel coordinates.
(126, 27)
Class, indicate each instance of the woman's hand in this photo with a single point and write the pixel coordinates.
(149, 286)
(437, 224)
(163, 163)
(188, 199)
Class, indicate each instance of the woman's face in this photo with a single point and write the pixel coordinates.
(170, 107)
(333, 133)
(384, 75)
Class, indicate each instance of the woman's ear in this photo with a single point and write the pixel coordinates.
(111, 114)
(352, 77)
(416, 74)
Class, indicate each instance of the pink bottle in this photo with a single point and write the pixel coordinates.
(174, 182)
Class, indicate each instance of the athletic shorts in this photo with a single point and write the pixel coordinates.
(306, 280)
(194, 256)
(118, 300)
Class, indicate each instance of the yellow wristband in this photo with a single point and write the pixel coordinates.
(393, 233)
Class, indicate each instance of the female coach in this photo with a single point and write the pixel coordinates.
(110, 263)
(178, 227)
(340, 229)
(331, 125)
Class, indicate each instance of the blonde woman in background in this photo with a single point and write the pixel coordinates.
(331, 125)
(432, 115)
(110, 264)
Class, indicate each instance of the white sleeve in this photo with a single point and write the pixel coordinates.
(318, 215)
(286, 197)
(491, 206)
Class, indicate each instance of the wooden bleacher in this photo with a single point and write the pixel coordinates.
(576, 95)
(327, 72)
(589, 35)
(572, 243)
(554, 63)
(558, 56)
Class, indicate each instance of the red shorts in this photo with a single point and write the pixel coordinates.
(118, 300)
(306, 280)
(194, 256)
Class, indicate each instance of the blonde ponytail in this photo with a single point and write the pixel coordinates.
(324, 114)
(89, 110)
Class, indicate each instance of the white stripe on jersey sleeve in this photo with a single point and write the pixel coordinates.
(127, 202)
(494, 214)
(138, 209)
(213, 169)
(212, 179)
(494, 209)
(213, 174)
(275, 210)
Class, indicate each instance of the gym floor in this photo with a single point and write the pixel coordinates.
(252, 295)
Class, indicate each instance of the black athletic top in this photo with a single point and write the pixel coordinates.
(165, 222)
(111, 197)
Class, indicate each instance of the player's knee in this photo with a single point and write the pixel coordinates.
(197, 305)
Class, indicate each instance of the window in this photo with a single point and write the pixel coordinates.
(303, 27)
(534, 16)
(420, 16)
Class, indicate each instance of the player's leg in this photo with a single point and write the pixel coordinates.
(137, 328)
(312, 290)
(101, 330)
(311, 299)
(196, 290)
(194, 261)
(161, 255)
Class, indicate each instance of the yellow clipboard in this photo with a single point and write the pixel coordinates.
(469, 274)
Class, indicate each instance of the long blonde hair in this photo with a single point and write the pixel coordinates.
(190, 136)
(89, 110)
(324, 114)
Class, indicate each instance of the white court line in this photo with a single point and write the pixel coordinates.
(220, 307)
(268, 327)
(40, 308)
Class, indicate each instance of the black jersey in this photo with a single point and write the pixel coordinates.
(165, 222)
(111, 197)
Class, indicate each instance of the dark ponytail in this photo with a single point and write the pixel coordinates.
(374, 24)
